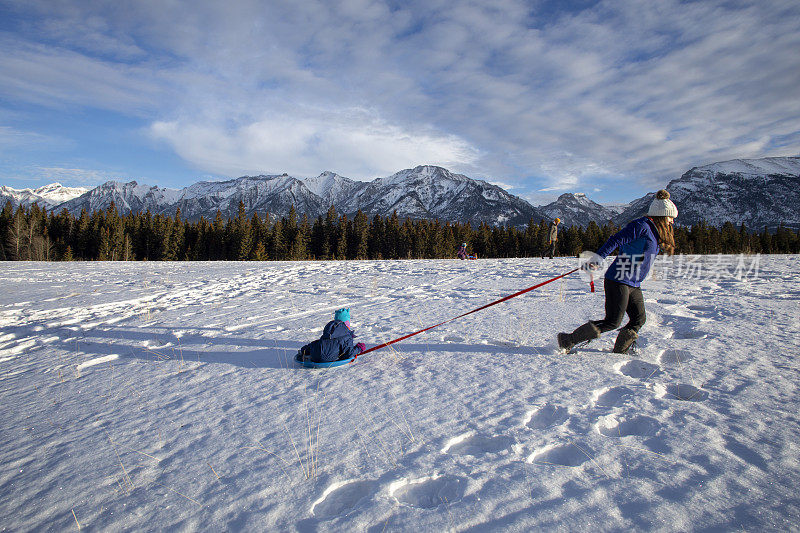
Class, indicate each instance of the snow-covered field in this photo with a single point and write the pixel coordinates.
(160, 396)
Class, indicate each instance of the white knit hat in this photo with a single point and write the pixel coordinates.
(662, 206)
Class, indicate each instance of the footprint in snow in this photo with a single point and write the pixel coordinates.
(341, 498)
(637, 369)
(707, 310)
(547, 416)
(428, 492)
(561, 454)
(476, 444)
(611, 397)
(682, 392)
(682, 326)
(702, 308)
(674, 357)
(689, 334)
(744, 453)
(638, 425)
(508, 344)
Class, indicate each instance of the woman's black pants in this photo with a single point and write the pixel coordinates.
(622, 299)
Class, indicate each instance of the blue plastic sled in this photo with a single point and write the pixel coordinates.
(312, 364)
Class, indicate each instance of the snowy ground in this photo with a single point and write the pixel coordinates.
(160, 396)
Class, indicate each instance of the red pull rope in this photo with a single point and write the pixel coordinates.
(385, 344)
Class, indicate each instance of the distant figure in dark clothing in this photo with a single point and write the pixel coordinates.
(553, 237)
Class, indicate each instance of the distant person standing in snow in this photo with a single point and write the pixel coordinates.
(553, 237)
(639, 242)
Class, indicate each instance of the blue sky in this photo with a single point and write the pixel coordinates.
(612, 98)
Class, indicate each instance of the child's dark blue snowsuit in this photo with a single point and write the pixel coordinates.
(336, 343)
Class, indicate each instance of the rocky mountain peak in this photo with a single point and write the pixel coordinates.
(755, 192)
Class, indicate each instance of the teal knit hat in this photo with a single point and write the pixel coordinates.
(342, 314)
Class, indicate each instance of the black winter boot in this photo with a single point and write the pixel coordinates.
(584, 333)
(624, 340)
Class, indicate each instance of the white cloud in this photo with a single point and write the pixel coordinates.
(350, 144)
(59, 78)
(75, 176)
(506, 186)
(36, 176)
(12, 138)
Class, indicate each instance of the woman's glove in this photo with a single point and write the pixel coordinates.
(361, 347)
(589, 261)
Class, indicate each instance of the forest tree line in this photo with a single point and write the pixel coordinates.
(34, 234)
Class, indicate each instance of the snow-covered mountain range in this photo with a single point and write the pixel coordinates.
(756, 192)
(430, 192)
(48, 196)
(577, 209)
(424, 192)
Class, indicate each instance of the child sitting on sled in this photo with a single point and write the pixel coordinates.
(336, 342)
(462, 253)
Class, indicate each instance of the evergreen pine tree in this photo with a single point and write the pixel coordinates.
(217, 238)
(376, 235)
(5, 222)
(573, 245)
(105, 250)
(391, 239)
(136, 227)
(260, 252)
(341, 238)
(178, 237)
(592, 238)
(300, 245)
(330, 225)
(240, 235)
(405, 241)
(544, 238)
(112, 234)
(531, 239)
(419, 238)
(745, 241)
(259, 231)
(127, 249)
(83, 236)
(483, 241)
(360, 236)
(448, 238)
(18, 230)
(730, 239)
(766, 242)
(290, 234)
(279, 241)
(317, 239)
(781, 240)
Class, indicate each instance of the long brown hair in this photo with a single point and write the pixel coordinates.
(666, 235)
